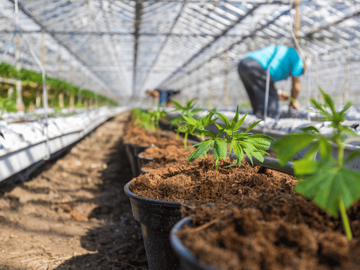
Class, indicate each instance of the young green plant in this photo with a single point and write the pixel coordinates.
(325, 180)
(196, 127)
(240, 143)
(187, 109)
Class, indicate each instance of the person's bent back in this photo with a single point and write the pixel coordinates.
(282, 62)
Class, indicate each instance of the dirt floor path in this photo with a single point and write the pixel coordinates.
(74, 213)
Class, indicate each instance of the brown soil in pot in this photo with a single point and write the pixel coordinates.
(170, 152)
(273, 232)
(137, 135)
(198, 182)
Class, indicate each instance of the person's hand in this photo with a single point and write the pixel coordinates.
(294, 104)
(283, 95)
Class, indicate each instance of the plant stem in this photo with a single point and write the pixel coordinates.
(345, 219)
(185, 140)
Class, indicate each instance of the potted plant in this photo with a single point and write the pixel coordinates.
(286, 231)
(157, 207)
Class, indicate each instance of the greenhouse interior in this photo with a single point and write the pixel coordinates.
(179, 134)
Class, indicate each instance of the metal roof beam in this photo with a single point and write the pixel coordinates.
(42, 26)
(228, 48)
(162, 46)
(208, 45)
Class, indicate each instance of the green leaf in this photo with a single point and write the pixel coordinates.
(345, 109)
(310, 129)
(190, 120)
(236, 117)
(328, 185)
(208, 133)
(248, 154)
(287, 146)
(349, 130)
(324, 148)
(354, 154)
(305, 167)
(219, 149)
(261, 137)
(223, 118)
(328, 101)
(258, 156)
(238, 125)
(252, 126)
(201, 150)
(196, 111)
(177, 104)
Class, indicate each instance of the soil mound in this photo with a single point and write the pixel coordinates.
(198, 182)
(272, 232)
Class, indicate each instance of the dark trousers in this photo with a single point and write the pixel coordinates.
(253, 76)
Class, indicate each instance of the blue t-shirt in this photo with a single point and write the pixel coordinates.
(284, 61)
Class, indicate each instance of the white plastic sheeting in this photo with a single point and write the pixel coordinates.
(25, 143)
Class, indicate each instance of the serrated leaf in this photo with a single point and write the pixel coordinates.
(231, 165)
(196, 111)
(252, 126)
(177, 104)
(208, 133)
(354, 154)
(328, 185)
(262, 137)
(190, 120)
(349, 130)
(248, 154)
(236, 117)
(201, 150)
(310, 129)
(219, 149)
(238, 125)
(305, 167)
(324, 148)
(345, 109)
(223, 118)
(258, 156)
(287, 146)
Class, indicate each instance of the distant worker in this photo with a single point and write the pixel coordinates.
(284, 62)
(163, 96)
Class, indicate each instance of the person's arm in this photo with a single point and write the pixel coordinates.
(295, 90)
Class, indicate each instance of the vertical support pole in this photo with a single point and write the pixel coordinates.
(43, 60)
(198, 88)
(210, 92)
(61, 94)
(19, 100)
(347, 69)
(297, 20)
(226, 80)
(72, 96)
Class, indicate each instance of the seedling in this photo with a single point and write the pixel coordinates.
(197, 126)
(240, 143)
(187, 109)
(155, 117)
(326, 181)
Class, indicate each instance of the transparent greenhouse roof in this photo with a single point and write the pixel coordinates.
(122, 48)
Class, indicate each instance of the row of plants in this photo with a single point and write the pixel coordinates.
(32, 85)
(262, 218)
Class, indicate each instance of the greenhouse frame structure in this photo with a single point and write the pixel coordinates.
(121, 48)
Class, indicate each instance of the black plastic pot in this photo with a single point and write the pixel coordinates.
(137, 150)
(156, 219)
(130, 155)
(142, 161)
(188, 261)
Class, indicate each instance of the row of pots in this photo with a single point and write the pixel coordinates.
(160, 220)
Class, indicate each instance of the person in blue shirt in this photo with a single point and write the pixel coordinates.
(162, 96)
(283, 62)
